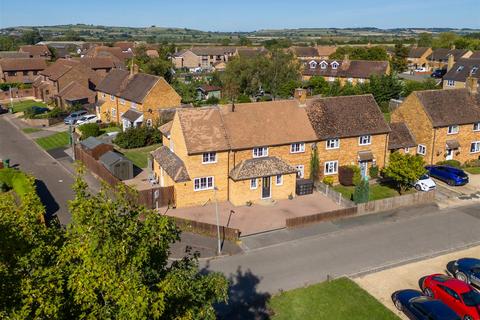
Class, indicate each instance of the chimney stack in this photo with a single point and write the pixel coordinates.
(451, 62)
(472, 85)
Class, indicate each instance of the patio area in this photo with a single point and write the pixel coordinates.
(257, 218)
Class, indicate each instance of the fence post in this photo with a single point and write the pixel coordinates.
(326, 190)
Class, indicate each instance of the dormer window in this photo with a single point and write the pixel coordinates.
(460, 68)
(474, 70)
(323, 65)
(312, 64)
(335, 65)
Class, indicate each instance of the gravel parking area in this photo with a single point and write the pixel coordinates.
(382, 284)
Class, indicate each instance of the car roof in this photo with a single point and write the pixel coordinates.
(452, 283)
(469, 262)
(438, 308)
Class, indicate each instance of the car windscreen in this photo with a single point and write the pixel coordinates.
(471, 298)
(424, 177)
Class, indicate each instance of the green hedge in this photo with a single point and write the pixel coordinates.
(138, 137)
(89, 130)
(450, 163)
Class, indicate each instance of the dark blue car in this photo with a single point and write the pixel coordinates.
(450, 175)
(416, 306)
(466, 269)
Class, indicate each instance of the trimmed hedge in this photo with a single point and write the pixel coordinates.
(138, 137)
(349, 175)
(89, 130)
(450, 163)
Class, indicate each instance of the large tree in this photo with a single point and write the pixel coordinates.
(404, 170)
(399, 60)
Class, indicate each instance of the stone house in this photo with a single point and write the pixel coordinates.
(202, 57)
(239, 153)
(444, 123)
(459, 72)
(23, 70)
(417, 57)
(351, 130)
(132, 99)
(439, 58)
(36, 51)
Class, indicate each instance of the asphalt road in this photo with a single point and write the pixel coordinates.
(351, 247)
(53, 181)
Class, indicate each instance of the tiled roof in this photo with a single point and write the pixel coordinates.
(59, 68)
(250, 52)
(208, 88)
(260, 167)
(346, 69)
(400, 137)
(124, 45)
(75, 91)
(208, 51)
(326, 51)
(304, 51)
(104, 51)
(99, 62)
(450, 107)
(152, 53)
(132, 115)
(475, 55)
(35, 50)
(443, 53)
(463, 69)
(417, 52)
(22, 64)
(165, 128)
(14, 54)
(349, 116)
(171, 163)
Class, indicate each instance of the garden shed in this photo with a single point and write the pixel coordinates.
(118, 165)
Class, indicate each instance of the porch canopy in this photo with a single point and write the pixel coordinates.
(260, 167)
(453, 144)
(365, 156)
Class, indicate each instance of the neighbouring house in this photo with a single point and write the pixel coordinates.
(249, 52)
(102, 65)
(351, 131)
(126, 46)
(324, 52)
(439, 58)
(346, 70)
(306, 54)
(23, 70)
(201, 57)
(95, 147)
(104, 51)
(457, 75)
(14, 54)
(445, 123)
(206, 92)
(152, 53)
(246, 153)
(475, 55)
(133, 99)
(418, 57)
(37, 51)
(401, 139)
(117, 164)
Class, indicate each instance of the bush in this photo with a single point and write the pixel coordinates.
(349, 175)
(450, 163)
(54, 113)
(89, 130)
(243, 99)
(472, 163)
(138, 137)
(328, 181)
(360, 195)
(212, 101)
(374, 172)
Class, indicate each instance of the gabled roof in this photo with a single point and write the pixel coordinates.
(417, 52)
(59, 68)
(325, 51)
(443, 53)
(346, 69)
(109, 158)
(260, 167)
(104, 51)
(305, 51)
(165, 128)
(400, 136)
(14, 54)
(450, 107)
(75, 91)
(208, 88)
(22, 64)
(208, 51)
(250, 52)
(463, 69)
(100, 62)
(36, 50)
(348, 116)
(132, 115)
(91, 143)
(124, 45)
(171, 163)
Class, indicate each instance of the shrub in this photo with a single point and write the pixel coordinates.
(450, 163)
(243, 99)
(212, 101)
(472, 163)
(328, 181)
(54, 113)
(374, 172)
(138, 137)
(89, 130)
(360, 195)
(349, 175)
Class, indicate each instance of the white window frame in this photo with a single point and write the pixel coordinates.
(114, 112)
(454, 129)
(335, 141)
(209, 183)
(475, 147)
(330, 167)
(278, 180)
(260, 152)
(335, 65)
(298, 147)
(149, 122)
(421, 149)
(313, 64)
(323, 65)
(122, 101)
(134, 105)
(407, 150)
(451, 83)
(476, 127)
(253, 184)
(300, 171)
(112, 97)
(362, 143)
(211, 157)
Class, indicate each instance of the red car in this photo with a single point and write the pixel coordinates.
(456, 294)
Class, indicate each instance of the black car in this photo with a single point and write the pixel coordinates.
(3, 110)
(39, 110)
(466, 269)
(439, 73)
(416, 306)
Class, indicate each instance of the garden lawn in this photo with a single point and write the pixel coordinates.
(340, 299)
(377, 191)
(110, 129)
(23, 105)
(31, 130)
(140, 156)
(472, 170)
(56, 140)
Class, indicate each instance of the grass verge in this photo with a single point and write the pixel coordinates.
(377, 191)
(140, 156)
(31, 130)
(23, 105)
(339, 299)
(472, 170)
(56, 140)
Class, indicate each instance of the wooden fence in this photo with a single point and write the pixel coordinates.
(319, 217)
(95, 167)
(226, 233)
(396, 202)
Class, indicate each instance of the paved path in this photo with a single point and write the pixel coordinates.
(53, 182)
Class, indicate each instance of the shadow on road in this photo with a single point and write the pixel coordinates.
(51, 206)
(244, 301)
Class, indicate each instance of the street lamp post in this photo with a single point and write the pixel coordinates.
(219, 244)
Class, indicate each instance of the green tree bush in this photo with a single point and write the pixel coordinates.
(138, 137)
(404, 170)
(89, 130)
(361, 192)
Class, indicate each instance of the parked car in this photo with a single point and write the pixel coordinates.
(3, 110)
(439, 73)
(458, 295)
(425, 183)
(416, 306)
(421, 69)
(88, 118)
(466, 269)
(452, 176)
(74, 117)
(38, 110)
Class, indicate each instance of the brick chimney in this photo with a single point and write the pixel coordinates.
(472, 85)
(301, 96)
(451, 62)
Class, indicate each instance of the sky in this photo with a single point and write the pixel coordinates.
(244, 15)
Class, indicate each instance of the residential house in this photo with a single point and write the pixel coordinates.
(37, 51)
(102, 65)
(306, 54)
(418, 57)
(126, 46)
(202, 57)
(475, 55)
(401, 139)
(324, 52)
(23, 70)
(13, 54)
(206, 92)
(457, 75)
(152, 53)
(445, 123)
(246, 153)
(353, 71)
(132, 99)
(249, 52)
(104, 51)
(439, 58)
(351, 131)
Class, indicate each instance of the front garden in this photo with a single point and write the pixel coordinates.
(22, 106)
(472, 166)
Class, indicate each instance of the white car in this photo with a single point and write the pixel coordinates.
(88, 118)
(425, 183)
(421, 69)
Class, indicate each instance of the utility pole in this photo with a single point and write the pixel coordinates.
(219, 244)
(11, 98)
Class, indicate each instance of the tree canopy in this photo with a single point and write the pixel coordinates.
(404, 169)
(375, 53)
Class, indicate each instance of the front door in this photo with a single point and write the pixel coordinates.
(364, 168)
(266, 187)
(449, 154)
